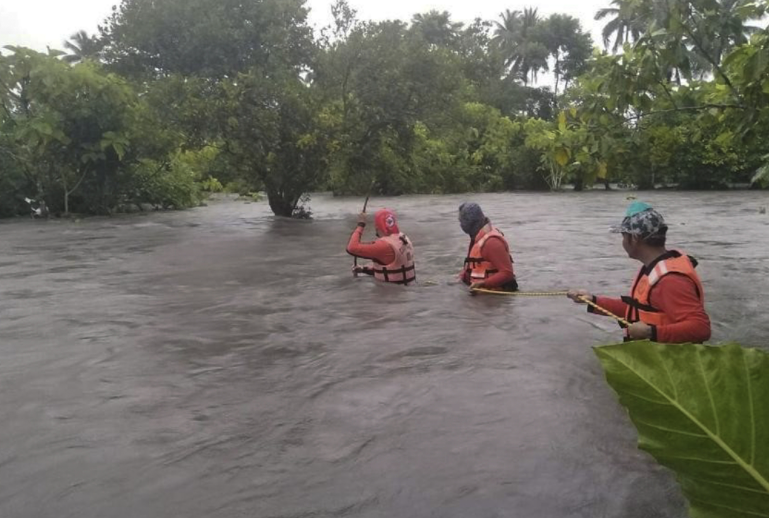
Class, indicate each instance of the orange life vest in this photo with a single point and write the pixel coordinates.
(402, 270)
(479, 268)
(639, 307)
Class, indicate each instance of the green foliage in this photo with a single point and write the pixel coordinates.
(69, 125)
(519, 37)
(701, 412)
(625, 26)
(211, 185)
(577, 148)
(762, 175)
(240, 94)
(227, 73)
(406, 107)
(276, 134)
(690, 88)
(76, 136)
(166, 185)
(14, 184)
(530, 44)
(378, 84)
(82, 46)
(569, 46)
(206, 38)
(553, 148)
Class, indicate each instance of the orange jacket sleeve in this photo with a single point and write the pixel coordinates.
(378, 250)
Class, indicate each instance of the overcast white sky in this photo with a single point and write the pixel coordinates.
(37, 23)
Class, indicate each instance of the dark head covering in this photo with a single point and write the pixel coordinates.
(471, 218)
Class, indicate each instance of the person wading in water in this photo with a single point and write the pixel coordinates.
(667, 300)
(488, 264)
(392, 253)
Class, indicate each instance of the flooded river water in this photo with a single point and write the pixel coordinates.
(219, 362)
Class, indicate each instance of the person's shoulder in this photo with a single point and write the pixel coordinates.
(496, 239)
(495, 244)
(677, 282)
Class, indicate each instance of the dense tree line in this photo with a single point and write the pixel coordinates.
(172, 98)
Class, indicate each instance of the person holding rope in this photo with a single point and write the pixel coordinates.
(392, 253)
(488, 265)
(667, 300)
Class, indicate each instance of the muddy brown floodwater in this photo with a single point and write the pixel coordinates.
(219, 362)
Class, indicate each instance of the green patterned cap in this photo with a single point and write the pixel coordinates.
(641, 220)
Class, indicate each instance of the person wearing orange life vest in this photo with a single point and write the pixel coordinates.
(392, 253)
(667, 299)
(488, 264)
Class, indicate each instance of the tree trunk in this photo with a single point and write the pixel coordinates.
(66, 196)
(67, 192)
(279, 205)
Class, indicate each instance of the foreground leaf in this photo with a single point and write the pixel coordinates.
(704, 413)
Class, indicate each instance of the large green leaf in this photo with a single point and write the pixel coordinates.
(704, 413)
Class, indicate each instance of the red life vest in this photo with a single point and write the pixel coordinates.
(480, 269)
(402, 270)
(639, 307)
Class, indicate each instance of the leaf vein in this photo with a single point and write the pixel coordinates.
(729, 508)
(710, 394)
(671, 430)
(670, 378)
(752, 412)
(739, 460)
(655, 401)
(741, 488)
(695, 459)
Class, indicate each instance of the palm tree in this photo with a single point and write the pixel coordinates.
(731, 29)
(712, 32)
(530, 17)
(506, 32)
(569, 46)
(517, 36)
(81, 47)
(706, 34)
(626, 26)
(437, 27)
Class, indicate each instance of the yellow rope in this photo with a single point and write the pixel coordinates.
(522, 293)
(553, 294)
(604, 311)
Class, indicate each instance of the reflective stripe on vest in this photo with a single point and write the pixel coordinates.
(639, 306)
(479, 268)
(402, 270)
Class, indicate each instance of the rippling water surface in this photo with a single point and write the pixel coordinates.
(219, 362)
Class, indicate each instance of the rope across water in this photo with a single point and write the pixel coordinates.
(522, 293)
(552, 294)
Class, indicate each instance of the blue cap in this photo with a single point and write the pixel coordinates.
(636, 207)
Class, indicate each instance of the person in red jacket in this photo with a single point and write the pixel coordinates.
(488, 264)
(667, 300)
(392, 254)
